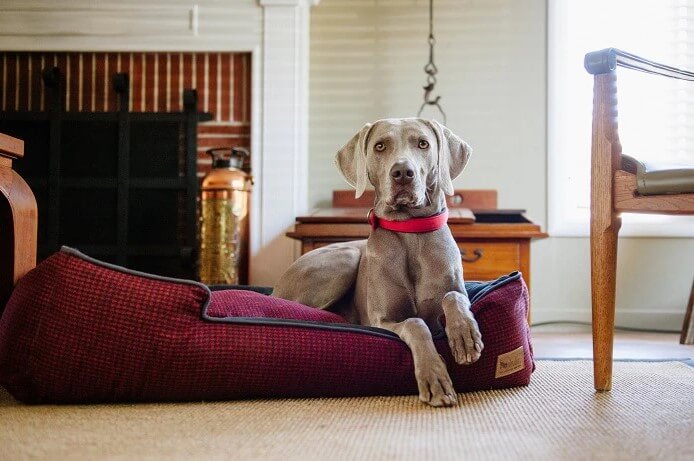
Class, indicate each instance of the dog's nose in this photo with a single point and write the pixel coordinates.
(402, 173)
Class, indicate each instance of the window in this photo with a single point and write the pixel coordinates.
(658, 30)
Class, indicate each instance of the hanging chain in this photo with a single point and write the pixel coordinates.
(431, 70)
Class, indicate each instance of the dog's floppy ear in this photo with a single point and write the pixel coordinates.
(453, 155)
(351, 160)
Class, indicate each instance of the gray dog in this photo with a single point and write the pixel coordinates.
(400, 281)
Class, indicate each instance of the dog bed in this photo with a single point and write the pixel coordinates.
(77, 330)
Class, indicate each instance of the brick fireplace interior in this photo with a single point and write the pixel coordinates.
(88, 102)
(222, 80)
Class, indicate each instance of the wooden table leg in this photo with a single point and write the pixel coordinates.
(524, 246)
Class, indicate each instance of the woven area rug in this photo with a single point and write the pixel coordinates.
(648, 415)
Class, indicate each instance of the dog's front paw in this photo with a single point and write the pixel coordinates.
(435, 385)
(464, 338)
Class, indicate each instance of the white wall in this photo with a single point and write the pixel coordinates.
(161, 25)
(366, 63)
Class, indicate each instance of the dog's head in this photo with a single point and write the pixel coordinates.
(411, 162)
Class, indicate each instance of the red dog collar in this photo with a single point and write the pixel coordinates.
(412, 225)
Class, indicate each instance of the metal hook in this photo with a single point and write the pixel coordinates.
(429, 101)
(427, 95)
(431, 69)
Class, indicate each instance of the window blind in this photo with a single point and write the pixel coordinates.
(656, 115)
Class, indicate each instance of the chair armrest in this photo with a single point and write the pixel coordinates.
(607, 60)
(11, 147)
(18, 220)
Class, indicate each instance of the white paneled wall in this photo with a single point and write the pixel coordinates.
(110, 25)
(366, 63)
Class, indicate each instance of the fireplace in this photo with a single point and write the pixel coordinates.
(273, 34)
(116, 144)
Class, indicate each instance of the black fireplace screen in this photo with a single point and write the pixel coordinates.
(119, 186)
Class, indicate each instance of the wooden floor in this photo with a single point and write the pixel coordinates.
(571, 341)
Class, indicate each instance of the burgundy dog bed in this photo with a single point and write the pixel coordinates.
(77, 330)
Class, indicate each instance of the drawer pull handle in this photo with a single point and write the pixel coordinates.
(478, 254)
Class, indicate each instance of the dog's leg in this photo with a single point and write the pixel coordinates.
(321, 277)
(464, 336)
(390, 303)
(440, 288)
(433, 381)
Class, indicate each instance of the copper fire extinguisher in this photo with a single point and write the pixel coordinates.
(224, 209)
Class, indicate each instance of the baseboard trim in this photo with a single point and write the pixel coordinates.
(688, 362)
(656, 320)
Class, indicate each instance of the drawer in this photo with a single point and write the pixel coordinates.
(489, 260)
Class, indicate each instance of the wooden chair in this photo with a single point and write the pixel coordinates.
(18, 220)
(621, 184)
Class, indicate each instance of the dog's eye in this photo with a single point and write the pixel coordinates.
(423, 144)
(380, 147)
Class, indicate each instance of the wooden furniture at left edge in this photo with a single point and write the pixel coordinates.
(18, 220)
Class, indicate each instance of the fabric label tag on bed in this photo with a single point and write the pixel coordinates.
(510, 362)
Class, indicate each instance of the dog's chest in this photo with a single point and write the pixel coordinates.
(414, 258)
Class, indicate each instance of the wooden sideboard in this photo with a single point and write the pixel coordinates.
(492, 242)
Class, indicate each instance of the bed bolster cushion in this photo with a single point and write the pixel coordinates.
(77, 330)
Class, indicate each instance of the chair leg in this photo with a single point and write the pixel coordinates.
(603, 247)
(687, 336)
(604, 224)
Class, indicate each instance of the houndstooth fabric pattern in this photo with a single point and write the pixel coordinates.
(77, 332)
(241, 303)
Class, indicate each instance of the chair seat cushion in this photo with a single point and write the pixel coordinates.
(660, 179)
(77, 330)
